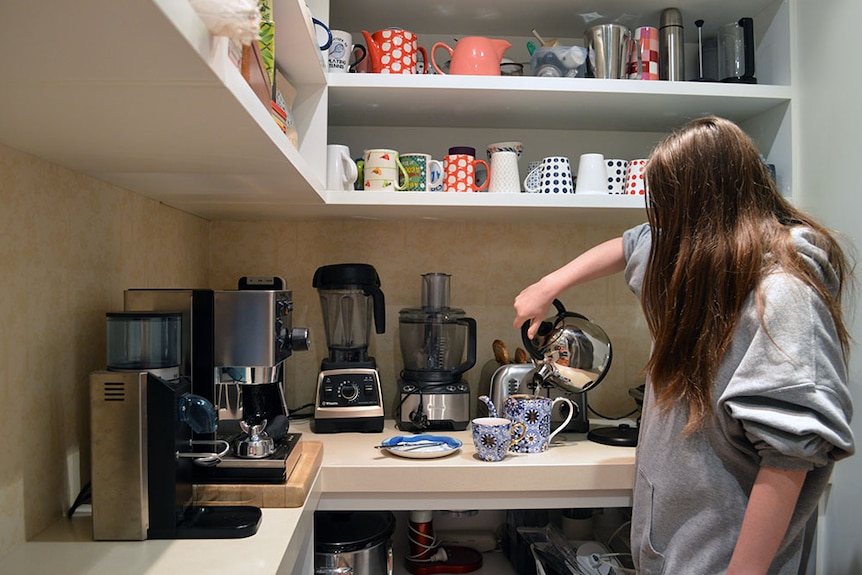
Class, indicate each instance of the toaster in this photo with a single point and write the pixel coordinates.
(514, 378)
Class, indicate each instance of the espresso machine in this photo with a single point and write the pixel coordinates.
(433, 338)
(143, 418)
(349, 396)
(234, 343)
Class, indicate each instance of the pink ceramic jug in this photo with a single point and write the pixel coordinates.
(473, 55)
(394, 51)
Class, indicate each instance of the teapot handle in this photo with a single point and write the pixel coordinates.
(434, 60)
(545, 328)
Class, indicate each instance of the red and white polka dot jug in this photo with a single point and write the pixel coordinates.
(394, 51)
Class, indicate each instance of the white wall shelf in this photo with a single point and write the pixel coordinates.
(540, 103)
(140, 95)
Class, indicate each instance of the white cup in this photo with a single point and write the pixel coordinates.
(635, 183)
(341, 50)
(555, 177)
(424, 172)
(341, 170)
(504, 173)
(592, 174)
(383, 170)
(618, 171)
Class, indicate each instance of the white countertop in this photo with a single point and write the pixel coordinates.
(67, 548)
(354, 475)
(574, 472)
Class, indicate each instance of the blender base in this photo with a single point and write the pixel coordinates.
(459, 560)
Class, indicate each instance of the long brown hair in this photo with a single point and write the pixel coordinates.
(715, 215)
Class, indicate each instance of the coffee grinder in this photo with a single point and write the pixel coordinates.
(433, 339)
(348, 396)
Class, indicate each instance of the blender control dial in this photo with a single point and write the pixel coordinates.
(349, 391)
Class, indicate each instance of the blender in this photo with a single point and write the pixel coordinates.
(433, 340)
(349, 396)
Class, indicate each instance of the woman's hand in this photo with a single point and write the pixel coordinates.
(532, 304)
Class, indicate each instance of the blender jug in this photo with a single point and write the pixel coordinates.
(350, 296)
(433, 337)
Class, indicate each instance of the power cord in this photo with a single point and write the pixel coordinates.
(85, 496)
(294, 415)
(597, 414)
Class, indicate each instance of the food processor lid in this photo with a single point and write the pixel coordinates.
(340, 276)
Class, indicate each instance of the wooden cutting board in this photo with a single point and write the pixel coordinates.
(291, 493)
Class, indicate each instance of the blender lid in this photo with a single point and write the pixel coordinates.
(345, 275)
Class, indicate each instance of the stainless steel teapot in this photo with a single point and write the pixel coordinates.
(570, 351)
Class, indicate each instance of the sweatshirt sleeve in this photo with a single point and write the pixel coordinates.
(637, 243)
(788, 391)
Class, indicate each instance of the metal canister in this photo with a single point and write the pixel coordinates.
(671, 64)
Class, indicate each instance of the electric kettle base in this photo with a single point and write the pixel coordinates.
(622, 436)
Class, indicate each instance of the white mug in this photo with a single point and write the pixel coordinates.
(382, 169)
(618, 172)
(504, 173)
(555, 177)
(592, 174)
(424, 173)
(341, 170)
(341, 50)
(635, 183)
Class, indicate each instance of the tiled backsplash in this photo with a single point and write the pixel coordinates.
(489, 264)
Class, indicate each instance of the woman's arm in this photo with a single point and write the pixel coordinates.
(770, 507)
(534, 301)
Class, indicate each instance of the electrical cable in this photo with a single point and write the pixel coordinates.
(603, 559)
(617, 532)
(294, 415)
(84, 496)
(596, 413)
(439, 555)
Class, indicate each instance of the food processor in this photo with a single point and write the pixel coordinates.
(348, 396)
(433, 339)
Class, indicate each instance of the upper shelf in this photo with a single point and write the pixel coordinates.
(139, 94)
(539, 103)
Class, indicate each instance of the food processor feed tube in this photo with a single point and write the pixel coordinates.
(433, 338)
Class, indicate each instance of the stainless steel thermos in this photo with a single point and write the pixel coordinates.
(671, 63)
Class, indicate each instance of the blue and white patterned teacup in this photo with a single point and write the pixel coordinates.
(493, 436)
(535, 413)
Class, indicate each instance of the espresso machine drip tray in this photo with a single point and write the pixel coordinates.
(273, 469)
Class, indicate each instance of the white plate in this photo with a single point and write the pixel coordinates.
(405, 446)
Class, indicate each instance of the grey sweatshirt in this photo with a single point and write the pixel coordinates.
(780, 400)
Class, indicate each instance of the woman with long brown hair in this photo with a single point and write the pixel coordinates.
(746, 406)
